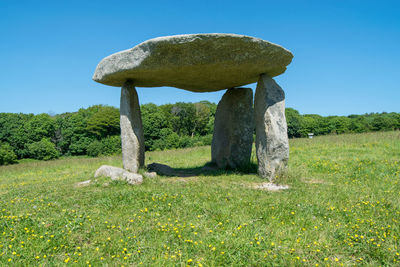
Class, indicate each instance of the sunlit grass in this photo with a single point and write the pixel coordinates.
(342, 208)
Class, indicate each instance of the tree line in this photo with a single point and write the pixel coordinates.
(300, 125)
(95, 130)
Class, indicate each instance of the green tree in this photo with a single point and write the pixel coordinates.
(183, 118)
(293, 119)
(154, 119)
(104, 122)
(340, 124)
(13, 132)
(7, 155)
(358, 124)
(39, 127)
(308, 125)
(72, 136)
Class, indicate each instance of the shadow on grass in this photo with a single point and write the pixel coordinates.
(208, 169)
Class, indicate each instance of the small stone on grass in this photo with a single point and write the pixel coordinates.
(150, 175)
(84, 183)
(271, 187)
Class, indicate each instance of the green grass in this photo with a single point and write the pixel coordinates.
(342, 208)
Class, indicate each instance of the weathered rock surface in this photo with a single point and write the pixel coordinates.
(132, 138)
(119, 174)
(233, 129)
(195, 62)
(272, 144)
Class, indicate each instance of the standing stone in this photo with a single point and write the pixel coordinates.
(132, 138)
(272, 144)
(233, 129)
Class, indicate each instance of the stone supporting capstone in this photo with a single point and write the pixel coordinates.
(233, 129)
(131, 129)
(272, 144)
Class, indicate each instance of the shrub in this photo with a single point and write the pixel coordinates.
(111, 145)
(204, 140)
(167, 139)
(172, 141)
(185, 141)
(107, 146)
(43, 150)
(158, 144)
(207, 139)
(80, 146)
(94, 149)
(7, 155)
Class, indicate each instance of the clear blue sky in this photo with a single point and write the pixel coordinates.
(346, 53)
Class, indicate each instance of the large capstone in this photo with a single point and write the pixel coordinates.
(272, 145)
(233, 129)
(195, 62)
(132, 138)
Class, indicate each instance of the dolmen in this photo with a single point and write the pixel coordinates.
(207, 63)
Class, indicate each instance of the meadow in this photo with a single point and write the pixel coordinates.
(342, 208)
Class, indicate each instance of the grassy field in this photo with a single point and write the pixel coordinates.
(342, 208)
